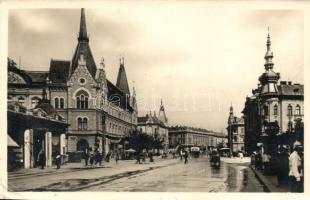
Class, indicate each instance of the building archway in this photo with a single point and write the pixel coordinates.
(81, 145)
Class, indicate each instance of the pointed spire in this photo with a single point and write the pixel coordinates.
(102, 65)
(162, 115)
(83, 48)
(231, 109)
(83, 30)
(269, 55)
(122, 82)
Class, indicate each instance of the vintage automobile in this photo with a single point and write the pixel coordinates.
(215, 160)
(195, 152)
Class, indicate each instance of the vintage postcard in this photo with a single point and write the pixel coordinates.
(182, 99)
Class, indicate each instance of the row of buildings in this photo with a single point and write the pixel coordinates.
(73, 106)
(272, 116)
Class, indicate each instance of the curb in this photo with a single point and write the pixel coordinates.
(270, 187)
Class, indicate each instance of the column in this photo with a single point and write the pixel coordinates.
(62, 147)
(28, 148)
(48, 148)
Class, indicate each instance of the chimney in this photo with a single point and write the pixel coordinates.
(289, 82)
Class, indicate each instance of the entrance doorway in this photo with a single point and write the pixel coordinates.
(81, 145)
(38, 145)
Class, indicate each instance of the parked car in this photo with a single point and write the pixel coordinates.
(215, 160)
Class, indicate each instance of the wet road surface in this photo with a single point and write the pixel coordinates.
(196, 176)
(169, 175)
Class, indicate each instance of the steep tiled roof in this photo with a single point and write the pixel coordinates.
(294, 89)
(122, 82)
(84, 49)
(114, 91)
(38, 76)
(59, 71)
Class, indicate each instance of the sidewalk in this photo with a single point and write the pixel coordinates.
(67, 179)
(68, 167)
(270, 182)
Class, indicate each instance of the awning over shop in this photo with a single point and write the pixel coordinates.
(11, 142)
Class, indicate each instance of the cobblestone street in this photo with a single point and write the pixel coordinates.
(165, 175)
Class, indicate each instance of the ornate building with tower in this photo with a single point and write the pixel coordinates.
(98, 113)
(155, 125)
(274, 113)
(235, 130)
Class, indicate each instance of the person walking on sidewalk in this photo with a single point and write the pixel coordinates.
(295, 166)
(58, 159)
(283, 166)
(185, 157)
(116, 157)
(86, 155)
(41, 159)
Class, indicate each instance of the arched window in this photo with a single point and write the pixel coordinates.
(80, 123)
(21, 100)
(275, 110)
(34, 102)
(62, 103)
(56, 102)
(85, 123)
(297, 111)
(289, 110)
(82, 100)
(266, 111)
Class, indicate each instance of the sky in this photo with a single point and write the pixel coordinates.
(198, 59)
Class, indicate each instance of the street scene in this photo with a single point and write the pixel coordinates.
(121, 99)
(168, 175)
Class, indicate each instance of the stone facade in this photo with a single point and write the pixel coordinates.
(273, 111)
(189, 137)
(235, 130)
(99, 113)
(155, 126)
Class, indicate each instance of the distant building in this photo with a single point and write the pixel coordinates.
(155, 126)
(100, 113)
(190, 136)
(235, 130)
(274, 113)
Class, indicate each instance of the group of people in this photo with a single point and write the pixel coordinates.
(185, 154)
(141, 157)
(92, 157)
(289, 167)
(41, 159)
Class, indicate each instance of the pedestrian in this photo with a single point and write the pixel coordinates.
(91, 158)
(295, 167)
(86, 156)
(151, 157)
(41, 159)
(283, 166)
(181, 154)
(138, 158)
(97, 158)
(58, 159)
(185, 157)
(107, 158)
(116, 157)
(266, 163)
